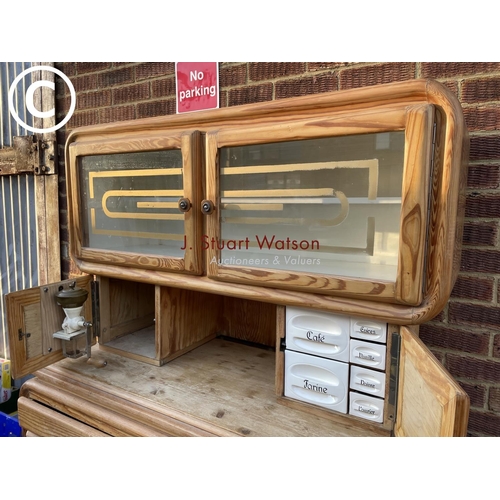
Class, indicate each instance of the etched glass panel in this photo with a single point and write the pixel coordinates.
(130, 202)
(329, 206)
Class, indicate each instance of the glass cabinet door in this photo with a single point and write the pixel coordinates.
(326, 214)
(135, 203)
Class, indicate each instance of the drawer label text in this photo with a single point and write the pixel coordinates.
(366, 356)
(367, 384)
(369, 331)
(362, 409)
(315, 388)
(315, 337)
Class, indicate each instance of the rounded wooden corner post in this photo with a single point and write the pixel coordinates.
(444, 245)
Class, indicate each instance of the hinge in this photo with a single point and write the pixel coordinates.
(28, 155)
(21, 334)
(46, 157)
(392, 400)
(429, 202)
(96, 324)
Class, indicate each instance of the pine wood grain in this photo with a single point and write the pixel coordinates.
(430, 402)
(226, 386)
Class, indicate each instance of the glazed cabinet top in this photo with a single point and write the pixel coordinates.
(348, 201)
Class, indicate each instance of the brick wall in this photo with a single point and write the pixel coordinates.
(465, 337)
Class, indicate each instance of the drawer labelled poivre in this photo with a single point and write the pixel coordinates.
(368, 381)
(319, 381)
(368, 329)
(321, 334)
(366, 407)
(367, 354)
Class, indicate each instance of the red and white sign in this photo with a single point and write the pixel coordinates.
(197, 86)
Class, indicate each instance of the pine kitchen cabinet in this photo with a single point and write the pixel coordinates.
(258, 271)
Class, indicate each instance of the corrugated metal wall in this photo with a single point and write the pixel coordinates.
(18, 226)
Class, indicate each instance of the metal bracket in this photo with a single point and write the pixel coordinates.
(96, 328)
(46, 158)
(392, 400)
(21, 334)
(28, 155)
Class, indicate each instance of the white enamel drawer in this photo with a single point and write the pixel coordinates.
(317, 333)
(368, 354)
(367, 407)
(368, 329)
(319, 381)
(369, 381)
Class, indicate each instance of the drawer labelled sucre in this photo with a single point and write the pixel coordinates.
(367, 354)
(366, 407)
(368, 381)
(319, 381)
(317, 333)
(367, 329)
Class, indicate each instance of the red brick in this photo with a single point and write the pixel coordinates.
(483, 176)
(484, 148)
(271, 70)
(62, 106)
(481, 90)
(451, 69)
(321, 66)
(473, 288)
(480, 261)
(91, 67)
(223, 99)
(474, 314)
(154, 69)
(117, 114)
(496, 344)
(97, 99)
(482, 205)
(68, 68)
(449, 338)
(441, 316)
(494, 399)
(156, 108)
(484, 423)
(476, 393)
(440, 356)
(480, 233)
(115, 77)
(364, 76)
(84, 118)
(233, 75)
(451, 85)
(247, 95)
(83, 83)
(477, 369)
(304, 86)
(482, 118)
(131, 93)
(164, 87)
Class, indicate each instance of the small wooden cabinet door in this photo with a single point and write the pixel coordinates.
(370, 244)
(33, 316)
(132, 205)
(430, 402)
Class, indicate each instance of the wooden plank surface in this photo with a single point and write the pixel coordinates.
(221, 384)
(43, 421)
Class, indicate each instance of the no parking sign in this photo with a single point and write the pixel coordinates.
(197, 86)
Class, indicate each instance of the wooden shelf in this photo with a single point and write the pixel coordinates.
(222, 386)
